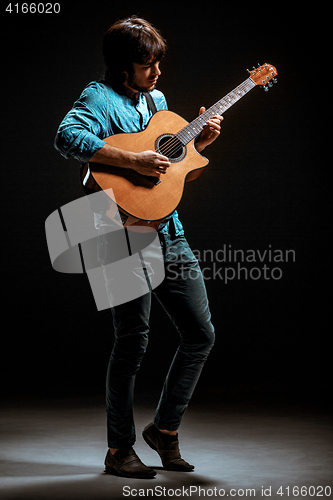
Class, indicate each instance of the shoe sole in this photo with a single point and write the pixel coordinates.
(114, 472)
(153, 447)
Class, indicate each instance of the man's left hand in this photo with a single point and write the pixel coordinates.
(211, 131)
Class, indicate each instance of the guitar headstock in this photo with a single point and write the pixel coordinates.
(263, 75)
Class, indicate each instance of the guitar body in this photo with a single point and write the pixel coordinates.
(149, 198)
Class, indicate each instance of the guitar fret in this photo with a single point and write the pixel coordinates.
(193, 129)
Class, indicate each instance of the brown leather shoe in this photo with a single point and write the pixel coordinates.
(126, 463)
(169, 453)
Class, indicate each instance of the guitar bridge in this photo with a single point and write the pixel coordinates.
(151, 179)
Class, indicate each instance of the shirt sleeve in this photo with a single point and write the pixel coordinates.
(81, 131)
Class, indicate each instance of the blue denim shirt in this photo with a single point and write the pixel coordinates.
(100, 112)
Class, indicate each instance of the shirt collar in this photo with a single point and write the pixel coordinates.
(135, 96)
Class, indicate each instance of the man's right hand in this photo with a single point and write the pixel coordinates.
(145, 163)
(150, 163)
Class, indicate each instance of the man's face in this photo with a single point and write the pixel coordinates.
(144, 76)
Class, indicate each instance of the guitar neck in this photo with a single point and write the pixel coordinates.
(193, 129)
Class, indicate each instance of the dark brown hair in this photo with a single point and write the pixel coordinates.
(131, 40)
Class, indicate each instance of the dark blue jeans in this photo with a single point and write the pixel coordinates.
(183, 296)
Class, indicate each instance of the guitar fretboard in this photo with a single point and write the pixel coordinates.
(193, 129)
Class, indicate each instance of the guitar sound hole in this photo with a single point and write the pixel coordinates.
(169, 145)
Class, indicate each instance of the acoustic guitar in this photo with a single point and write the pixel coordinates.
(147, 200)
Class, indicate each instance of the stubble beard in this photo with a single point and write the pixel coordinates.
(133, 83)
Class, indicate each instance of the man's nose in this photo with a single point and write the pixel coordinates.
(156, 69)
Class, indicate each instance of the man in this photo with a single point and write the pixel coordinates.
(132, 50)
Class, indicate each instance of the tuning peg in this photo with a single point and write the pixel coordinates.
(266, 89)
(270, 84)
(275, 80)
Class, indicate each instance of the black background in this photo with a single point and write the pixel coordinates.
(264, 186)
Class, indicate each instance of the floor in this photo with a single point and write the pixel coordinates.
(55, 450)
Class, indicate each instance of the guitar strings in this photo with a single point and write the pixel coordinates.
(167, 148)
(175, 144)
